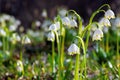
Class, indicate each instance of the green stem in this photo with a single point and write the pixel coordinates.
(21, 55)
(84, 51)
(62, 48)
(77, 67)
(79, 20)
(7, 43)
(59, 63)
(61, 42)
(21, 50)
(104, 6)
(107, 42)
(94, 14)
(89, 27)
(103, 45)
(118, 44)
(3, 39)
(53, 56)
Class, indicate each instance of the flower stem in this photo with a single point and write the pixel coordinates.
(62, 48)
(104, 6)
(3, 39)
(53, 56)
(118, 45)
(84, 51)
(89, 27)
(59, 62)
(77, 67)
(107, 42)
(79, 20)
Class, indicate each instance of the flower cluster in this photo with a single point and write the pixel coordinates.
(104, 22)
(55, 27)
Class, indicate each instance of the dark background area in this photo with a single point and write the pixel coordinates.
(30, 10)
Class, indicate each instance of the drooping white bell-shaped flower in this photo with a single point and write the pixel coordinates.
(37, 23)
(13, 27)
(18, 38)
(55, 26)
(51, 36)
(97, 35)
(44, 13)
(26, 40)
(2, 32)
(66, 21)
(104, 22)
(73, 49)
(19, 66)
(15, 38)
(109, 14)
(62, 12)
(73, 23)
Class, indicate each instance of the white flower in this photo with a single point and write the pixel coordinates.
(44, 13)
(26, 40)
(17, 22)
(45, 25)
(98, 34)
(55, 26)
(51, 36)
(37, 23)
(66, 21)
(73, 23)
(117, 22)
(19, 66)
(15, 38)
(93, 27)
(18, 38)
(2, 32)
(6, 17)
(109, 14)
(62, 12)
(73, 49)
(110, 64)
(12, 27)
(104, 22)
